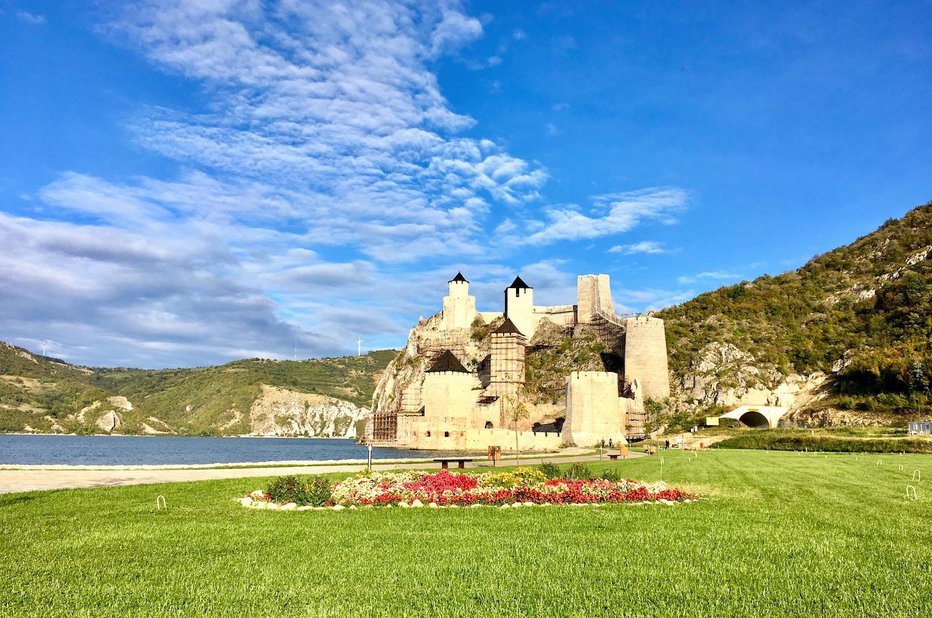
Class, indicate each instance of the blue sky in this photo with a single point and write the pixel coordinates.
(185, 183)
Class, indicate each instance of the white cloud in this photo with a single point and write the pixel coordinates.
(639, 301)
(552, 129)
(649, 247)
(454, 31)
(324, 157)
(31, 18)
(713, 275)
(337, 116)
(519, 35)
(611, 214)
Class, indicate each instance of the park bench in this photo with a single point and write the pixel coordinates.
(460, 461)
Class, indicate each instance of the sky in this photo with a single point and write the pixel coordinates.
(190, 182)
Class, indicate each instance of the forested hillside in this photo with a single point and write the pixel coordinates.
(861, 313)
(45, 394)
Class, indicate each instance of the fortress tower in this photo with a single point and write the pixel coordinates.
(594, 296)
(507, 372)
(448, 389)
(519, 307)
(645, 354)
(594, 412)
(459, 308)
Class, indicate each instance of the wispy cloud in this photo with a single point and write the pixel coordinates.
(713, 275)
(610, 214)
(351, 125)
(31, 18)
(649, 247)
(453, 31)
(638, 301)
(326, 173)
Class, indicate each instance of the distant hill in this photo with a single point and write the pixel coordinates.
(851, 330)
(312, 397)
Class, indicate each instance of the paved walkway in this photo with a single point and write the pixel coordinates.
(31, 478)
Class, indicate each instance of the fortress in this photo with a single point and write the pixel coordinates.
(460, 382)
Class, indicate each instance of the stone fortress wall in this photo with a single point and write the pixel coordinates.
(645, 354)
(454, 408)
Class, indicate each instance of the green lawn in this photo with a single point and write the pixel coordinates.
(778, 534)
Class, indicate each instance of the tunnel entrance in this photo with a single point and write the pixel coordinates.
(754, 419)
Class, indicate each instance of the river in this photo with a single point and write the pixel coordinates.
(177, 450)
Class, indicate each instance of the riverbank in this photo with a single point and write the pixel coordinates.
(33, 478)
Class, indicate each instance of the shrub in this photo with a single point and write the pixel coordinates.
(302, 490)
(578, 472)
(794, 441)
(611, 475)
(550, 470)
(525, 477)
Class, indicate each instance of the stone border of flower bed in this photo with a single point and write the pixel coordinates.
(249, 502)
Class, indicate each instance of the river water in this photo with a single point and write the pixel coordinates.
(176, 450)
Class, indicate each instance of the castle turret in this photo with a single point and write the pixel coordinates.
(459, 308)
(449, 389)
(594, 296)
(519, 307)
(645, 356)
(507, 371)
(594, 412)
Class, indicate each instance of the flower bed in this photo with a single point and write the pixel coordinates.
(525, 487)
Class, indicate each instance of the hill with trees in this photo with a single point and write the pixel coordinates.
(325, 396)
(855, 323)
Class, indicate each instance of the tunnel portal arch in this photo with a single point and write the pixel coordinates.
(753, 418)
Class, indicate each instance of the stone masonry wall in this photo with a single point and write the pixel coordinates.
(645, 356)
(594, 295)
(594, 412)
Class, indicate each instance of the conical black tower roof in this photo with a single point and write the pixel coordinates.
(519, 284)
(458, 278)
(507, 328)
(447, 362)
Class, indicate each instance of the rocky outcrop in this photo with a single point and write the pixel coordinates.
(400, 385)
(282, 412)
(109, 421)
(723, 375)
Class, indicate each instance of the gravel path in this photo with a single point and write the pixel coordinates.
(31, 478)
